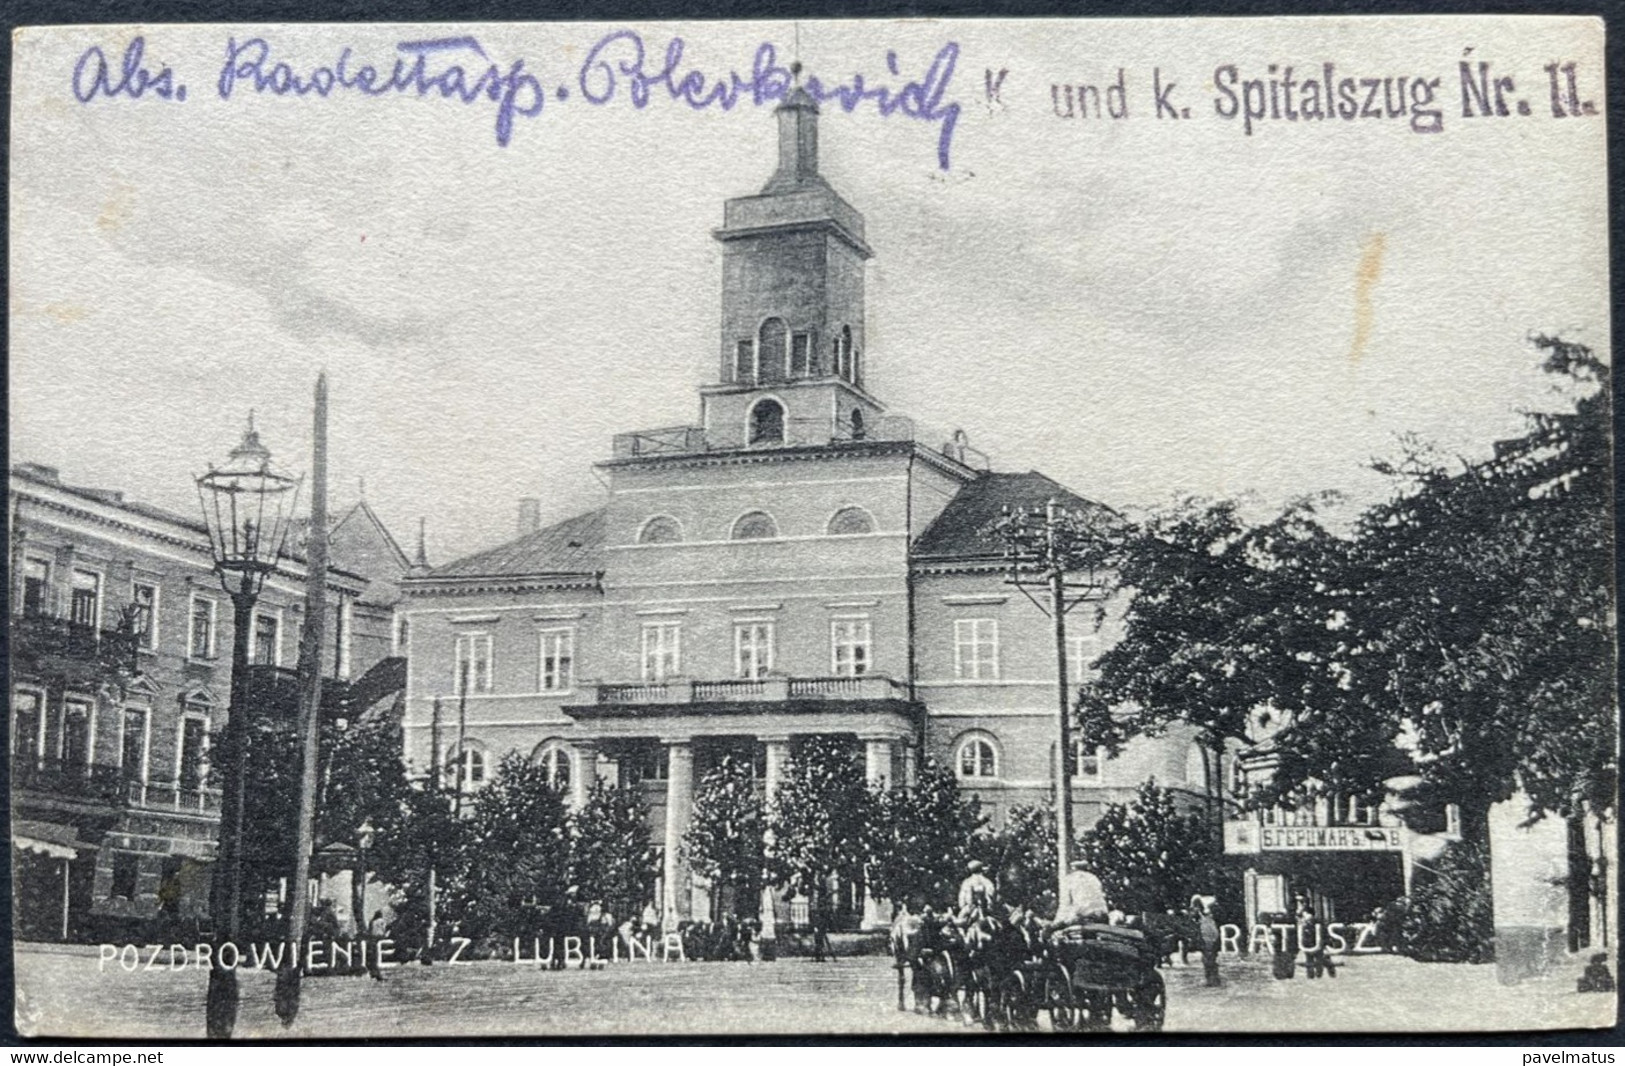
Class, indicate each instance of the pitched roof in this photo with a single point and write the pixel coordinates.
(381, 531)
(965, 527)
(573, 546)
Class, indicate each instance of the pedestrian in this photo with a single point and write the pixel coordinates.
(820, 930)
(377, 932)
(1283, 945)
(1207, 939)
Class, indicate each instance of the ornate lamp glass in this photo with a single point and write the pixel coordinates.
(248, 506)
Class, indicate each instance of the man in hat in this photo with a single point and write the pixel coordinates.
(976, 893)
(1083, 898)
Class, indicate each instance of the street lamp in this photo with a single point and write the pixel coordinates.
(248, 507)
(358, 888)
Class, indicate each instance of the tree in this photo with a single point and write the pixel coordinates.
(724, 838)
(821, 817)
(612, 856)
(1491, 607)
(1149, 855)
(1448, 916)
(422, 834)
(924, 837)
(1022, 856)
(1227, 619)
(517, 852)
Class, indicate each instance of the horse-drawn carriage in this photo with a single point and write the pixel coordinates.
(1004, 975)
(1096, 971)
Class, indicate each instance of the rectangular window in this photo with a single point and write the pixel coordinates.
(85, 607)
(75, 734)
(266, 649)
(558, 659)
(200, 643)
(25, 723)
(1088, 764)
(144, 613)
(662, 650)
(647, 762)
(753, 649)
(800, 355)
(976, 649)
(133, 751)
(1081, 652)
(745, 362)
(189, 768)
(36, 587)
(850, 646)
(474, 662)
(126, 869)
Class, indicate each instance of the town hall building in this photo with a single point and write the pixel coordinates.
(797, 562)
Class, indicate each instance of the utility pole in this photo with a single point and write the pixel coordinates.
(434, 786)
(1063, 749)
(310, 706)
(1063, 555)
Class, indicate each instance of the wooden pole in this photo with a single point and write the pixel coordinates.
(1063, 749)
(310, 702)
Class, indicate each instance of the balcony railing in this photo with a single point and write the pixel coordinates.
(745, 690)
(75, 780)
(168, 796)
(39, 638)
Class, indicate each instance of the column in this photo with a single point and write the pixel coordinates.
(778, 753)
(586, 772)
(911, 765)
(877, 769)
(679, 807)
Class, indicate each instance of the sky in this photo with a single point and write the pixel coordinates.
(1142, 308)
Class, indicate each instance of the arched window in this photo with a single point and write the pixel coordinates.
(976, 758)
(661, 529)
(767, 422)
(851, 520)
(475, 765)
(773, 351)
(843, 365)
(858, 429)
(555, 757)
(757, 525)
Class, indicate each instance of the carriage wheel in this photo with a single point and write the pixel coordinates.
(1016, 1005)
(1095, 1010)
(1064, 1015)
(1148, 1005)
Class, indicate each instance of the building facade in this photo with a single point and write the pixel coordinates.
(121, 638)
(800, 561)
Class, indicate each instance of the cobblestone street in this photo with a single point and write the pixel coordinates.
(61, 992)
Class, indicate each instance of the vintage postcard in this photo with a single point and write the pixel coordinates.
(925, 527)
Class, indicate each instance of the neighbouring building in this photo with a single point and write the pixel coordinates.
(801, 560)
(120, 656)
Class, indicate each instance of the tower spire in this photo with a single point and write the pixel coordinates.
(798, 139)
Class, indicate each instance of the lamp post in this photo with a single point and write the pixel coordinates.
(247, 506)
(358, 888)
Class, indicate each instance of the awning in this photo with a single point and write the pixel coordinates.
(47, 838)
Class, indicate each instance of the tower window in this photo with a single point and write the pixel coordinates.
(745, 361)
(773, 363)
(800, 355)
(767, 423)
(858, 430)
(757, 525)
(843, 353)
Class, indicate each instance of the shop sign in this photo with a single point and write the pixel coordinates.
(1329, 838)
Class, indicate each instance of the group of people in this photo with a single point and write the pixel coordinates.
(1082, 902)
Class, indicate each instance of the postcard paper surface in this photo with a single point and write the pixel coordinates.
(828, 527)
